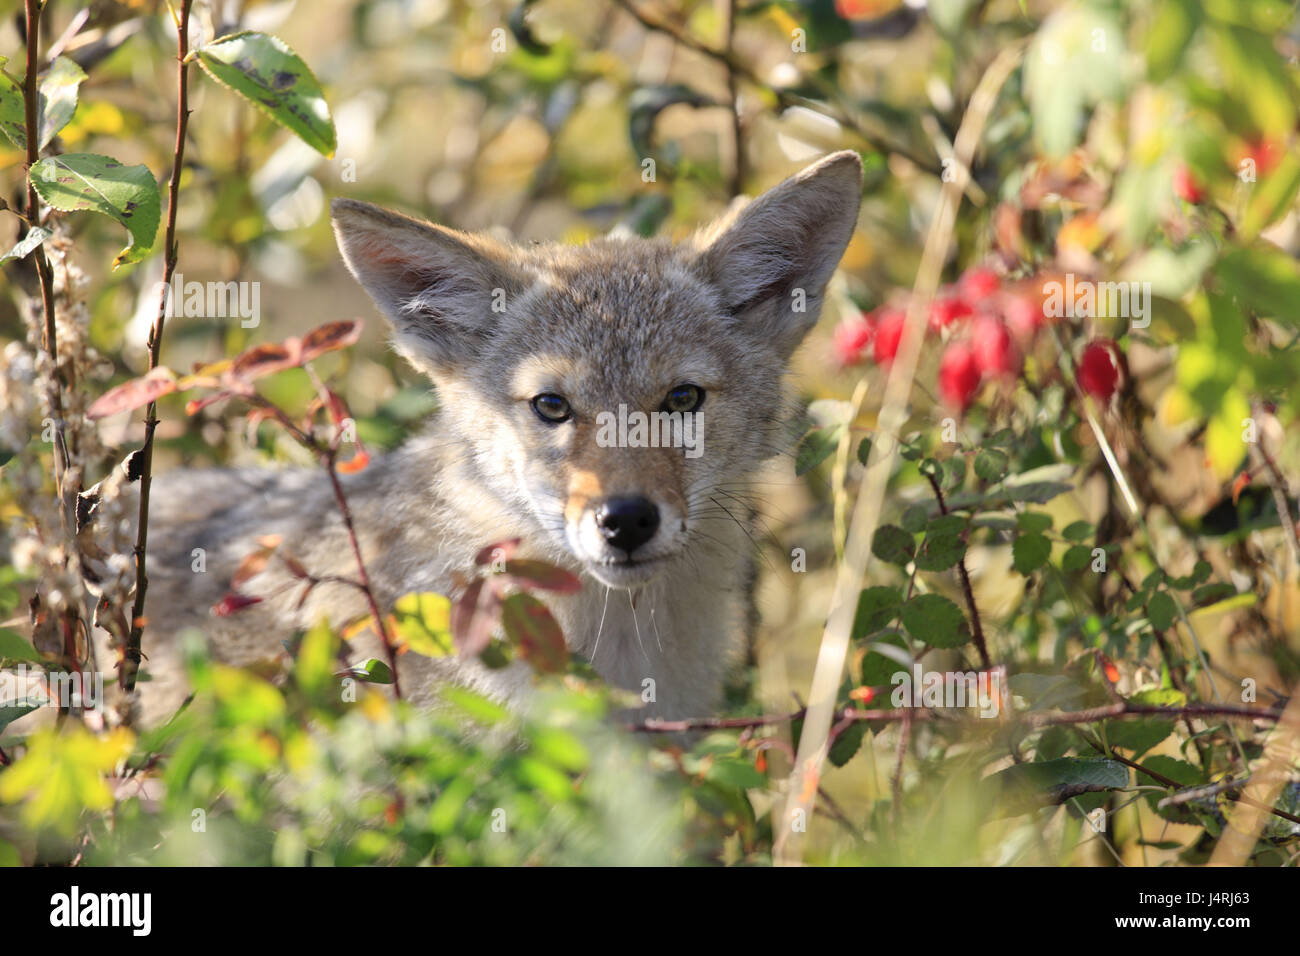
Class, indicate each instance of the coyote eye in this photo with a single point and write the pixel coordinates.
(684, 398)
(552, 408)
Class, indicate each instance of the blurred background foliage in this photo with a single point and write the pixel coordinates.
(1115, 151)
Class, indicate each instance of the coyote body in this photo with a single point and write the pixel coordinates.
(527, 348)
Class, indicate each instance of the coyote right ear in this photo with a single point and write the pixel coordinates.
(436, 285)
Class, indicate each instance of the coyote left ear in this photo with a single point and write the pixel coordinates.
(789, 239)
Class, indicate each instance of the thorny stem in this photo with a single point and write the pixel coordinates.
(130, 664)
(977, 628)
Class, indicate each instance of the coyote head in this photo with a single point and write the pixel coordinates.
(613, 393)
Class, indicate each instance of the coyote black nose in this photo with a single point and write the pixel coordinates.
(627, 523)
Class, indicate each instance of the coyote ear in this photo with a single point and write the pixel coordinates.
(437, 286)
(772, 258)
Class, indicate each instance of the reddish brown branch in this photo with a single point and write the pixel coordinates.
(131, 652)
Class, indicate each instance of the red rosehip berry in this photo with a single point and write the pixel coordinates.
(959, 375)
(1099, 369)
(889, 332)
(979, 283)
(851, 338)
(1024, 318)
(992, 348)
(947, 310)
(1187, 187)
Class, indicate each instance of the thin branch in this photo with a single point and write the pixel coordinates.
(327, 459)
(977, 627)
(1034, 720)
(130, 664)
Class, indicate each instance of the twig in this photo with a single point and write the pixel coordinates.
(130, 664)
(1034, 720)
(977, 628)
(327, 459)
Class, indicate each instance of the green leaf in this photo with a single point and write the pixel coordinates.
(893, 544)
(263, 70)
(1078, 531)
(877, 607)
(1263, 277)
(815, 448)
(57, 97)
(915, 519)
(1065, 777)
(372, 672)
(23, 248)
(423, 623)
(1212, 593)
(1076, 558)
(1030, 552)
(86, 181)
(13, 111)
(314, 666)
(934, 619)
(847, 744)
(15, 647)
(864, 450)
(879, 669)
(1033, 521)
(1171, 28)
(735, 772)
(1161, 611)
(1139, 736)
(1272, 198)
(11, 712)
(943, 545)
(991, 464)
(954, 471)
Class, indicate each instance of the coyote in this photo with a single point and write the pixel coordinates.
(528, 347)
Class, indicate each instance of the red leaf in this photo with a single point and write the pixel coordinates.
(133, 394)
(472, 617)
(233, 603)
(539, 574)
(529, 624)
(330, 337)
